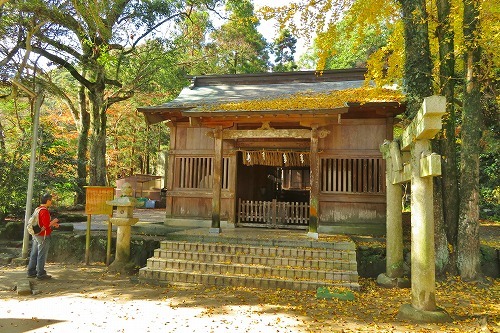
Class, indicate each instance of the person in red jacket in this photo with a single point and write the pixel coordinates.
(41, 241)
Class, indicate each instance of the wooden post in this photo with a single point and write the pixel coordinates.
(87, 240)
(108, 243)
(217, 185)
(274, 212)
(171, 170)
(233, 175)
(314, 199)
(95, 203)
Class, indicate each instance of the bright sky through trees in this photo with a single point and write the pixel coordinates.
(269, 29)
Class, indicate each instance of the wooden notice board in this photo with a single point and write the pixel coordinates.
(96, 197)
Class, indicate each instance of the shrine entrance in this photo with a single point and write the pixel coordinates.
(276, 194)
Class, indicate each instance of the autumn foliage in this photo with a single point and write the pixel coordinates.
(315, 100)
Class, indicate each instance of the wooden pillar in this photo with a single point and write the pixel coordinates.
(423, 291)
(170, 178)
(217, 182)
(108, 243)
(314, 176)
(87, 240)
(232, 176)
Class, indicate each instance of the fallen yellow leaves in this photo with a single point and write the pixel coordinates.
(473, 307)
(314, 100)
(375, 308)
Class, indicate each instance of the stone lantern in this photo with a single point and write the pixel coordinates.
(123, 218)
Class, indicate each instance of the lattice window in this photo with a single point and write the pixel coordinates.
(197, 172)
(352, 175)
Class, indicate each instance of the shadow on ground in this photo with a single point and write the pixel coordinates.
(18, 325)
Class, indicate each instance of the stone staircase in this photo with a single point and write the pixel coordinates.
(10, 250)
(290, 265)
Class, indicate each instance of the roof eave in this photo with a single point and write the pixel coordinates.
(157, 114)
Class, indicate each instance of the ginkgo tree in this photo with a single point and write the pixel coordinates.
(436, 47)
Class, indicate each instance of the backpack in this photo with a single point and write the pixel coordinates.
(33, 225)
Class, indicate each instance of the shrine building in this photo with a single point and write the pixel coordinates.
(295, 150)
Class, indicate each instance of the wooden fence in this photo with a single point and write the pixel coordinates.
(273, 214)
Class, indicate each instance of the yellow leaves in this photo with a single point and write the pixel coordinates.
(490, 30)
(450, 248)
(385, 66)
(313, 101)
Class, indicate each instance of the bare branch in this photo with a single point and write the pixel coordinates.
(60, 46)
(119, 96)
(144, 35)
(113, 82)
(72, 70)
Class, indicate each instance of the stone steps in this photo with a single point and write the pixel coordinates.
(241, 259)
(9, 251)
(246, 265)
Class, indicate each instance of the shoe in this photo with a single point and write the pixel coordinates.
(44, 277)
(31, 276)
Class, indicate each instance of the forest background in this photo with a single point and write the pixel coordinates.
(91, 64)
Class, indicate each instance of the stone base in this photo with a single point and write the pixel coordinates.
(377, 228)
(215, 231)
(388, 282)
(193, 222)
(23, 287)
(20, 261)
(313, 235)
(408, 312)
(122, 267)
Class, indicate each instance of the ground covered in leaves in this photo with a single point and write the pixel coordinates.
(88, 299)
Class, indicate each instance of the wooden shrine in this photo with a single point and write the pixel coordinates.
(279, 150)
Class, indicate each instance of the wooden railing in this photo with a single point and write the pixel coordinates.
(352, 175)
(273, 213)
(197, 172)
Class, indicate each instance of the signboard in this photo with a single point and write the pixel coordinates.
(96, 197)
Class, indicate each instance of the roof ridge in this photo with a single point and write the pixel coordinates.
(279, 77)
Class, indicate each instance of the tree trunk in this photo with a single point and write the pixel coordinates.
(418, 66)
(447, 146)
(2, 142)
(468, 225)
(132, 156)
(3, 214)
(98, 135)
(83, 137)
(440, 240)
